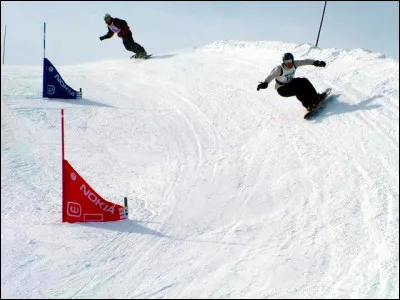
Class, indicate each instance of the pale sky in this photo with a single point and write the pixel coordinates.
(73, 28)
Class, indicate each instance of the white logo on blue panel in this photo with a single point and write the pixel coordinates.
(51, 89)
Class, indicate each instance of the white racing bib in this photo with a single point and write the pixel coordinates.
(113, 28)
(287, 75)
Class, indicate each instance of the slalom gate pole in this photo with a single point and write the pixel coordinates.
(62, 160)
(44, 56)
(4, 43)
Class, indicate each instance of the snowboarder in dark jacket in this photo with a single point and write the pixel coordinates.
(288, 86)
(121, 28)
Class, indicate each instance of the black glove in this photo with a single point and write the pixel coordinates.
(318, 63)
(101, 38)
(262, 85)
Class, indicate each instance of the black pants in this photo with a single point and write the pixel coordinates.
(302, 88)
(131, 45)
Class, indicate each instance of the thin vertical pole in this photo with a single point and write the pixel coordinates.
(62, 135)
(44, 56)
(4, 43)
(44, 40)
(62, 162)
(323, 13)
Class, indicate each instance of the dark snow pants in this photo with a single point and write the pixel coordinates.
(302, 88)
(131, 45)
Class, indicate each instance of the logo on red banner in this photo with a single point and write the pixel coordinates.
(82, 204)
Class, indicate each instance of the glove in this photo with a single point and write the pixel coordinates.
(101, 38)
(262, 85)
(318, 63)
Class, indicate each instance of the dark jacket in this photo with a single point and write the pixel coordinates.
(118, 26)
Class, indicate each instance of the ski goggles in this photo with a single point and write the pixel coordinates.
(288, 62)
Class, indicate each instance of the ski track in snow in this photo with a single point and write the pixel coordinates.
(232, 193)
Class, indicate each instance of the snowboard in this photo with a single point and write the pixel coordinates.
(141, 58)
(313, 112)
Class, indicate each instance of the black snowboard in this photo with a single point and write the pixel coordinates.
(315, 110)
(141, 58)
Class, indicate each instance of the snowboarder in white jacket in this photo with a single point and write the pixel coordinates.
(288, 86)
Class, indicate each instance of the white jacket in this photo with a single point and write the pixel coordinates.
(283, 75)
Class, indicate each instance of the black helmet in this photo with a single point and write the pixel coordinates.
(287, 56)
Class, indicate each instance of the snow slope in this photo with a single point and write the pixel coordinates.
(232, 194)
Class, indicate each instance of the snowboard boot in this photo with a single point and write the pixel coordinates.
(315, 104)
(311, 107)
(321, 96)
(141, 54)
